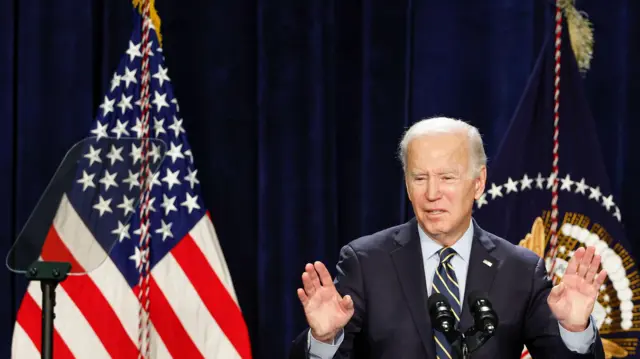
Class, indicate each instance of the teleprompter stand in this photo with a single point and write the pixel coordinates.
(49, 274)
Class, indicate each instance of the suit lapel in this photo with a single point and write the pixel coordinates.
(407, 258)
(482, 269)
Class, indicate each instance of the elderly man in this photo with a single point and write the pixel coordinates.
(377, 306)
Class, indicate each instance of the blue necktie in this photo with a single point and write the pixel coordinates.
(445, 282)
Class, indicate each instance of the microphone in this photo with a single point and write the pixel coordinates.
(441, 314)
(443, 321)
(466, 342)
(485, 318)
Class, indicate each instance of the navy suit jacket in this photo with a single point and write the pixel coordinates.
(384, 275)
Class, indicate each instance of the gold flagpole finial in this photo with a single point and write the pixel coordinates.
(580, 33)
(153, 13)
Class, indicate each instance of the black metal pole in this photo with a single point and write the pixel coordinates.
(49, 274)
(48, 302)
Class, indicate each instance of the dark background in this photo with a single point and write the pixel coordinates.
(294, 110)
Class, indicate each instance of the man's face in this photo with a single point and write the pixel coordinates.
(441, 186)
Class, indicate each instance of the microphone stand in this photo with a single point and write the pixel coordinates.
(465, 343)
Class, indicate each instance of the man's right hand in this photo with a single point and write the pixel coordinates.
(327, 312)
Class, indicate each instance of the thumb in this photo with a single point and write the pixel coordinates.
(556, 293)
(346, 303)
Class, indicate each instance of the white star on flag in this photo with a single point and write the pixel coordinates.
(107, 105)
(100, 131)
(93, 155)
(103, 206)
(122, 231)
(165, 230)
(171, 178)
(581, 187)
(86, 180)
(161, 75)
(120, 129)
(566, 183)
(526, 182)
(511, 186)
(495, 191)
(540, 181)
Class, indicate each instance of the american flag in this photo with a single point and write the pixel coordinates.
(194, 310)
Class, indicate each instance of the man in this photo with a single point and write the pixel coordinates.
(377, 307)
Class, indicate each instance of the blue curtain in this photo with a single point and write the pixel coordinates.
(294, 110)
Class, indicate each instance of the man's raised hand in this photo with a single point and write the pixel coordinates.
(572, 300)
(325, 309)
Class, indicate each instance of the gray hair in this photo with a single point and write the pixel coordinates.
(429, 126)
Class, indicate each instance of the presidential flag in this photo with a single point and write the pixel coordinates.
(520, 194)
(185, 306)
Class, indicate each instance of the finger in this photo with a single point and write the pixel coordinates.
(315, 281)
(600, 278)
(556, 293)
(347, 302)
(302, 296)
(572, 268)
(307, 284)
(593, 269)
(325, 276)
(585, 262)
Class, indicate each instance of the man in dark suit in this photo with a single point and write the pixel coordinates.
(377, 306)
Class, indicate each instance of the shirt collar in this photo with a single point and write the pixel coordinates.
(462, 246)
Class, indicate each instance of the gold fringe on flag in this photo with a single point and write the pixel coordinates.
(155, 18)
(580, 33)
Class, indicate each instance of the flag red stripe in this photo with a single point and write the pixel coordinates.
(90, 301)
(30, 319)
(167, 324)
(213, 293)
(55, 250)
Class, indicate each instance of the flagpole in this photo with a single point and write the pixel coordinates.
(144, 335)
(556, 142)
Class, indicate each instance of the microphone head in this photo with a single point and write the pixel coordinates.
(435, 300)
(440, 313)
(477, 295)
(486, 318)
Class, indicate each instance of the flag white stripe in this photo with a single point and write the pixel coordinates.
(205, 237)
(158, 349)
(191, 311)
(72, 326)
(23, 347)
(78, 238)
(106, 277)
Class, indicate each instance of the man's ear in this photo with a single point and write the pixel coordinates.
(480, 182)
(406, 185)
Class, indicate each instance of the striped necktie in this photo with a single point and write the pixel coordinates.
(445, 282)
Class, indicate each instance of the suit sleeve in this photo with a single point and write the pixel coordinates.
(542, 333)
(348, 281)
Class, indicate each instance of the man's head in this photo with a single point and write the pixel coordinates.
(445, 172)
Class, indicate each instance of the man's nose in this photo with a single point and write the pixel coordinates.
(433, 189)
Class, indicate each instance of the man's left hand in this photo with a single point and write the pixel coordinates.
(573, 299)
